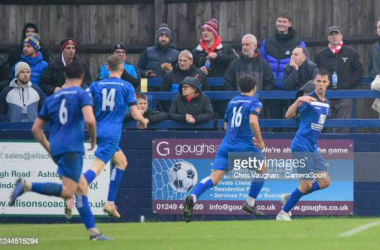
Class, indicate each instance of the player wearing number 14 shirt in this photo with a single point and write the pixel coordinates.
(241, 123)
(111, 97)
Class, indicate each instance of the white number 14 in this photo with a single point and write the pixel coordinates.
(108, 99)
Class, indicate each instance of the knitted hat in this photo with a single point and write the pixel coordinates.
(119, 46)
(20, 67)
(34, 41)
(213, 26)
(164, 29)
(67, 41)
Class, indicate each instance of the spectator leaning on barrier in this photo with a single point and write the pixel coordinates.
(191, 105)
(299, 70)
(184, 67)
(345, 62)
(374, 55)
(33, 57)
(250, 63)
(5, 73)
(213, 57)
(155, 61)
(15, 53)
(53, 78)
(150, 116)
(130, 73)
(21, 101)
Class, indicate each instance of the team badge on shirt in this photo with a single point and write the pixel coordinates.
(322, 119)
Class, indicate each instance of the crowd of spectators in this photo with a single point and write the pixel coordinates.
(281, 55)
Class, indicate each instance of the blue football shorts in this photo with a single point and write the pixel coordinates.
(69, 165)
(309, 162)
(225, 156)
(106, 149)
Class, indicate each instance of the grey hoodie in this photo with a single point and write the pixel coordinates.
(14, 97)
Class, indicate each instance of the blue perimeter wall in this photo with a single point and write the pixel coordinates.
(134, 195)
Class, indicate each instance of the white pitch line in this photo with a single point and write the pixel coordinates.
(359, 229)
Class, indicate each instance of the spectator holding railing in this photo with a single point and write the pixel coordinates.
(150, 116)
(191, 105)
(345, 69)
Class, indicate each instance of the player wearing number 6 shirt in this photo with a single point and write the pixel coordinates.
(241, 123)
(313, 109)
(66, 111)
(111, 96)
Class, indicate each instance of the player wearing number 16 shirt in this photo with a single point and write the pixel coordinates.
(241, 123)
(111, 97)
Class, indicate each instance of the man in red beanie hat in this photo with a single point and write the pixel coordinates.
(213, 58)
(53, 77)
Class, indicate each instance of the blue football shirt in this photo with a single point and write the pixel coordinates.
(63, 110)
(239, 133)
(111, 96)
(312, 120)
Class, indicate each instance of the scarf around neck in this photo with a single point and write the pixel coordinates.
(217, 42)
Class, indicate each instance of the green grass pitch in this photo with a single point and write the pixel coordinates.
(311, 233)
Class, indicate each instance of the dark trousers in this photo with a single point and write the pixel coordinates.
(340, 109)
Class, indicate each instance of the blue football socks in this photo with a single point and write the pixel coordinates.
(85, 211)
(89, 176)
(47, 188)
(296, 196)
(256, 186)
(116, 176)
(202, 187)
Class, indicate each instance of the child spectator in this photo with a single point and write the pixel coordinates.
(149, 115)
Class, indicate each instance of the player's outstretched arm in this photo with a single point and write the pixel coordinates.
(89, 118)
(39, 133)
(142, 122)
(254, 123)
(292, 110)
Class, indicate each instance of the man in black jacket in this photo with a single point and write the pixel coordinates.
(345, 62)
(184, 67)
(299, 70)
(155, 61)
(251, 64)
(213, 57)
(14, 55)
(191, 105)
(53, 78)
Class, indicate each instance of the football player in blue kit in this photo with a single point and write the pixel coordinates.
(313, 109)
(111, 96)
(241, 123)
(66, 111)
